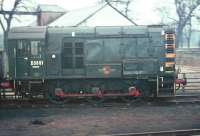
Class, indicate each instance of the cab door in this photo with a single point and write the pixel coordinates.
(36, 59)
(29, 58)
(22, 64)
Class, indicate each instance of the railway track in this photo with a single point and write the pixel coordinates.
(43, 103)
(183, 97)
(186, 98)
(186, 132)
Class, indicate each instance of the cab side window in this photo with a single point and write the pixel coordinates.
(79, 53)
(29, 48)
(35, 48)
(67, 55)
(22, 48)
(72, 55)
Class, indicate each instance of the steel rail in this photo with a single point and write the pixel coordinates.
(177, 99)
(185, 132)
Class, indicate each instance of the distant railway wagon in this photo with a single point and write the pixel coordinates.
(92, 62)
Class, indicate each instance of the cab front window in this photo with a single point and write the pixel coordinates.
(35, 48)
(29, 48)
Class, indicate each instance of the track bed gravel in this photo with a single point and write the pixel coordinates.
(87, 120)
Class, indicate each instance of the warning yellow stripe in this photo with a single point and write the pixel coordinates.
(169, 64)
(170, 36)
(170, 55)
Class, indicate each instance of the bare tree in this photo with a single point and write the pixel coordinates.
(184, 10)
(126, 6)
(163, 14)
(6, 19)
(188, 32)
(5, 23)
(124, 3)
(184, 21)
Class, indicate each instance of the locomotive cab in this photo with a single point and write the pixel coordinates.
(26, 52)
(26, 57)
(29, 58)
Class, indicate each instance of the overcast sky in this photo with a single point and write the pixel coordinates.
(142, 11)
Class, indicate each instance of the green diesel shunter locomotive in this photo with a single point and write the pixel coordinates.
(92, 62)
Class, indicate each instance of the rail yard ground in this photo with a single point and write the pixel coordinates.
(88, 120)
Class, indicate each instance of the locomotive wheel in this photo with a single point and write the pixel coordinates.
(145, 88)
(52, 97)
(130, 99)
(95, 100)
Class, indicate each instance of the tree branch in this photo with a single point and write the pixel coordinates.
(9, 19)
(184, 9)
(2, 4)
(189, 14)
(172, 19)
(121, 13)
(2, 26)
